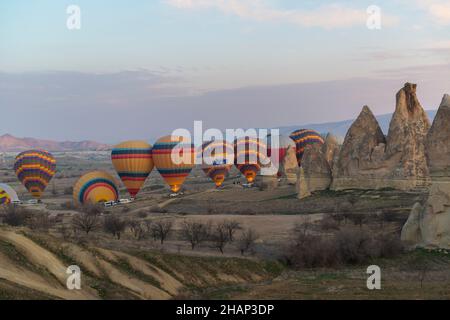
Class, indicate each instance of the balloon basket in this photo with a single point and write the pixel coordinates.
(176, 194)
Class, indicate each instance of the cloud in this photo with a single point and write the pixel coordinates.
(327, 16)
(438, 10)
(129, 105)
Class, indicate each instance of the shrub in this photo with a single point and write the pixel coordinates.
(114, 225)
(142, 214)
(158, 209)
(246, 241)
(195, 232)
(15, 216)
(40, 221)
(349, 246)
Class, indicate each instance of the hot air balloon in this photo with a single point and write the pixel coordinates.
(250, 154)
(174, 159)
(35, 169)
(284, 144)
(7, 194)
(217, 161)
(302, 138)
(133, 163)
(95, 187)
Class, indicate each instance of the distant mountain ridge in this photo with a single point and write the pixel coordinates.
(340, 128)
(9, 143)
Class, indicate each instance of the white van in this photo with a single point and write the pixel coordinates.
(109, 204)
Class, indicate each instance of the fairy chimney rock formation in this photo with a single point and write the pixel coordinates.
(317, 163)
(438, 141)
(288, 167)
(361, 153)
(429, 226)
(405, 148)
(368, 160)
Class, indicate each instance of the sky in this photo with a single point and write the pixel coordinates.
(138, 70)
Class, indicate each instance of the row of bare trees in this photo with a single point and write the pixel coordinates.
(218, 235)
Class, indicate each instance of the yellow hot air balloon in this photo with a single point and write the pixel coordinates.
(7, 194)
(174, 159)
(217, 160)
(95, 187)
(133, 163)
(35, 169)
(250, 155)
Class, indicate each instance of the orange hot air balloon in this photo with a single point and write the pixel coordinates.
(133, 162)
(250, 154)
(174, 159)
(217, 160)
(35, 169)
(95, 187)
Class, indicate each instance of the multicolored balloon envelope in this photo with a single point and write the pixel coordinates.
(133, 162)
(302, 138)
(95, 187)
(174, 159)
(35, 169)
(7, 194)
(217, 160)
(250, 155)
(284, 144)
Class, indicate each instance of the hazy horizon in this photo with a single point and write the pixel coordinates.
(141, 71)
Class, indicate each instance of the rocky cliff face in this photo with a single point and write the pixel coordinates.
(288, 167)
(368, 160)
(405, 148)
(429, 225)
(438, 141)
(317, 163)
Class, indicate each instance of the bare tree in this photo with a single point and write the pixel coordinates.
(231, 226)
(137, 229)
(328, 223)
(358, 219)
(114, 225)
(195, 232)
(40, 221)
(301, 231)
(160, 229)
(15, 216)
(148, 225)
(220, 236)
(247, 240)
(88, 220)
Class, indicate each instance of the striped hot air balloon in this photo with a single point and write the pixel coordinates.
(7, 194)
(302, 138)
(217, 160)
(95, 187)
(133, 163)
(174, 159)
(35, 169)
(250, 154)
